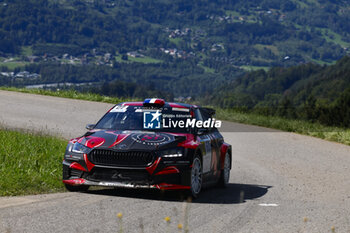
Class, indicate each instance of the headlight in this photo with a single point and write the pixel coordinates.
(172, 153)
(80, 148)
(74, 157)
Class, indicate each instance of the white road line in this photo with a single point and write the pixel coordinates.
(268, 204)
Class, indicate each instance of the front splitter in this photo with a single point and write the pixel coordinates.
(161, 186)
(117, 184)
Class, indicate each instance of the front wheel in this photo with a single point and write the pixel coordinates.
(196, 177)
(77, 188)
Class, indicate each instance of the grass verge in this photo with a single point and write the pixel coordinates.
(329, 133)
(30, 163)
(71, 94)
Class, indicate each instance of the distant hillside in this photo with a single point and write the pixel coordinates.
(307, 91)
(244, 33)
(268, 88)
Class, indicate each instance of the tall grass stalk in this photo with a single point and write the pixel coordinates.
(120, 221)
(186, 210)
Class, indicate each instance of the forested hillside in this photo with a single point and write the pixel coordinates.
(214, 33)
(312, 92)
(179, 78)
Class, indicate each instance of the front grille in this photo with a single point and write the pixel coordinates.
(117, 158)
(75, 173)
(106, 174)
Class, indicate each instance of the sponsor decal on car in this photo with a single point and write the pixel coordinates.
(151, 139)
(152, 120)
(156, 120)
(191, 123)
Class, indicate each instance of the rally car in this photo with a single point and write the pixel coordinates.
(149, 144)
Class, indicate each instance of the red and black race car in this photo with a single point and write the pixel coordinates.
(152, 144)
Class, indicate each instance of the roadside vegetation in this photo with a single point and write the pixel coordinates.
(336, 134)
(30, 163)
(331, 133)
(71, 94)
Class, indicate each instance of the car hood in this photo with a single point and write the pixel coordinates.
(130, 140)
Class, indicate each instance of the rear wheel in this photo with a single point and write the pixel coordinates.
(77, 188)
(225, 173)
(196, 177)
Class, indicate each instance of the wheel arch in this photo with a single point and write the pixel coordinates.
(225, 149)
(193, 152)
(198, 152)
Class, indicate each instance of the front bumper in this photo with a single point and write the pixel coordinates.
(161, 174)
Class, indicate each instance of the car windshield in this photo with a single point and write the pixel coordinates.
(142, 118)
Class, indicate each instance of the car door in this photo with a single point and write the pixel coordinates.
(215, 139)
(209, 145)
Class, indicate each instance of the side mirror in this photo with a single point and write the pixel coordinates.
(90, 126)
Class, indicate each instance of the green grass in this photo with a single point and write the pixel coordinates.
(71, 94)
(302, 4)
(320, 62)
(272, 48)
(335, 134)
(145, 60)
(27, 51)
(306, 3)
(13, 65)
(333, 37)
(206, 68)
(251, 17)
(232, 13)
(253, 68)
(176, 41)
(30, 163)
(328, 35)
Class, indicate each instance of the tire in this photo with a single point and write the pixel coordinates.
(77, 188)
(225, 172)
(196, 178)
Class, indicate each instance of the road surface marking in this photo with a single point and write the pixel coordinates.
(268, 204)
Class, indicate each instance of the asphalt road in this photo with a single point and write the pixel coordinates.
(280, 182)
